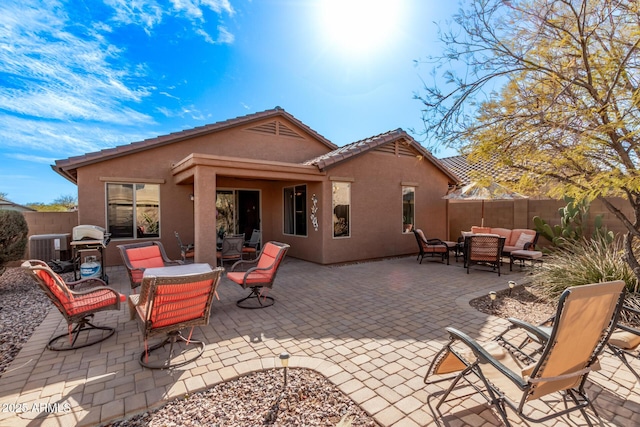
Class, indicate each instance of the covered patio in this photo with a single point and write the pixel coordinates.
(372, 328)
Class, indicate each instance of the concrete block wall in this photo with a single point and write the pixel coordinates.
(51, 222)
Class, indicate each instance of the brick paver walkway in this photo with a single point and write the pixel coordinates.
(371, 328)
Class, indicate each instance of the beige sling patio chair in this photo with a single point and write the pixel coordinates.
(78, 307)
(507, 376)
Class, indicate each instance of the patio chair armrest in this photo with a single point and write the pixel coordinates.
(628, 329)
(541, 334)
(97, 289)
(631, 310)
(243, 262)
(435, 241)
(484, 356)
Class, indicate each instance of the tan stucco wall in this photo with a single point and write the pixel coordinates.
(177, 210)
(376, 206)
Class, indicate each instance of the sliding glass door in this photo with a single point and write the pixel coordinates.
(238, 211)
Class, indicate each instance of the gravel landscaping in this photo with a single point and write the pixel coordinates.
(23, 307)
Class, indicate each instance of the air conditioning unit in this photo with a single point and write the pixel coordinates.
(47, 247)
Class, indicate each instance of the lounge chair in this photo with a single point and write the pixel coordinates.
(139, 256)
(432, 247)
(258, 275)
(172, 299)
(77, 307)
(505, 375)
(625, 340)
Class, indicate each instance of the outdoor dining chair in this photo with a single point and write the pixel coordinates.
(172, 299)
(231, 249)
(186, 251)
(139, 256)
(483, 249)
(252, 245)
(258, 275)
(78, 307)
(505, 375)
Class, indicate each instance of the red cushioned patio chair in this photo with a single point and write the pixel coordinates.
(166, 305)
(77, 307)
(139, 256)
(433, 247)
(258, 275)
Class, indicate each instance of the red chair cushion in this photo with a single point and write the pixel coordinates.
(174, 304)
(59, 293)
(93, 301)
(253, 278)
(145, 257)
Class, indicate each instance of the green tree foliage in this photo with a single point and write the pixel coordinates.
(550, 89)
(61, 204)
(13, 237)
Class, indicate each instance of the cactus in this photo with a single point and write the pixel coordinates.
(572, 218)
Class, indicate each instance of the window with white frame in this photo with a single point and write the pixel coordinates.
(295, 210)
(133, 210)
(341, 202)
(408, 208)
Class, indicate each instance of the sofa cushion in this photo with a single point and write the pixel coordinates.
(476, 229)
(515, 235)
(502, 232)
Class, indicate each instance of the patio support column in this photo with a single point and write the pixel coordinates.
(204, 214)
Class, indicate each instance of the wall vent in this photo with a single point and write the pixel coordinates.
(276, 128)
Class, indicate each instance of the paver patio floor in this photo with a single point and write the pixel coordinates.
(371, 328)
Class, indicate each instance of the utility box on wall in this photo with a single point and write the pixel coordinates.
(47, 247)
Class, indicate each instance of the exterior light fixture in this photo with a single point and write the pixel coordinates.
(192, 197)
(284, 361)
(512, 285)
(492, 297)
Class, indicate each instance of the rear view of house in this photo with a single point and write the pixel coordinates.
(266, 171)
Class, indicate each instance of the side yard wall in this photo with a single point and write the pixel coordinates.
(462, 215)
(520, 213)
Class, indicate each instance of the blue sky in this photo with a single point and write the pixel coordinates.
(78, 76)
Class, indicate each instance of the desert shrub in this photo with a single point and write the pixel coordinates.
(13, 237)
(582, 262)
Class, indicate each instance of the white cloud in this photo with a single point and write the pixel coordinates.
(31, 158)
(224, 35)
(150, 13)
(144, 13)
(66, 88)
(53, 74)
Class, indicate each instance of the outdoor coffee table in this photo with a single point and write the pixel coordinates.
(524, 255)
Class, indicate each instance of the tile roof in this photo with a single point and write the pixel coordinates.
(468, 172)
(9, 205)
(67, 167)
(359, 147)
